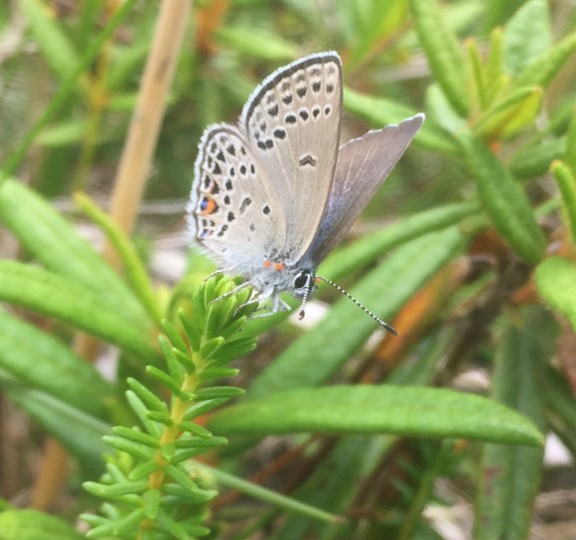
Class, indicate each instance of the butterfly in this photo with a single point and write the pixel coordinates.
(274, 194)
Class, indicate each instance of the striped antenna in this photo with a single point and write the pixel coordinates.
(382, 323)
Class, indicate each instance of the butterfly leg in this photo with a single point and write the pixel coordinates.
(212, 274)
(233, 291)
(277, 304)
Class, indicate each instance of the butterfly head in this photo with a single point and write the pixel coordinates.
(296, 279)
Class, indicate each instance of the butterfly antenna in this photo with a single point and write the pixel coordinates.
(382, 323)
(309, 285)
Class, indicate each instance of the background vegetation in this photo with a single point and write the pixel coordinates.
(468, 250)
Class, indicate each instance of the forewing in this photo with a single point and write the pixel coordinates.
(363, 165)
(292, 123)
(232, 212)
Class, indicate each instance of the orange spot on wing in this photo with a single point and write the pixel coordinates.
(210, 207)
(274, 265)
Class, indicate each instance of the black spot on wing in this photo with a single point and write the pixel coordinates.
(308, 161)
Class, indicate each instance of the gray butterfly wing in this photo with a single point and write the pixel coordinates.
(363, 165)
(232, 212)
(292, 124)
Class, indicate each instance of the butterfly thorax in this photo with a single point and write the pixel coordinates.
(272, 278)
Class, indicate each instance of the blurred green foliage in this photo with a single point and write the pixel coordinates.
(477, 267)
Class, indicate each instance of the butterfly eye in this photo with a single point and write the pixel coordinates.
(301, 280)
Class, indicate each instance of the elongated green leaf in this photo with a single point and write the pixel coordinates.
(478, 99)
(266, 495)
(441, 110)
(556, 281)
(53, 241)
(511, 475)
(494, 76)
(527, 35)
(33, 525)
(63, 134)
(135, 271)
(368, 23)
(344, 260)
(257, 43)
(546, 66)
(315, 357)
(38, 360)
(507, 117)
(83, 308)
(504, 201)
(54, 44)
(79, 432)
(566, 180)
(381, 112)
(570, 155)
(497, 13)
(443, 52)
(561, 405)
(424, 412)
(535, 159)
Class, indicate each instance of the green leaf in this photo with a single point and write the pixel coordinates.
(136, 450)
(504, 201)
(561, 405)
(196, 442)
(546, 66)
(566, 180)
(367, 24)
(443, 51)
(52, 240)
(54, 44)
(511, 475)
(343, 261)
(198, 409)
(137, 436)
(77, 431)
(40, 361)
(479, 99)
(527, 35)
(218, 392)
(135, 271)
(423, 412)
(381, 112)
(267, 495)
(510, 115)
(570, 152)
(441, 111)
(556, 282)
(64, 133)
(115, 490)
(32, 525)
(494, 76)
(55, 296)
(257, 43)
(130, 61)
(164, 378)
(535, 159)
(151, 400)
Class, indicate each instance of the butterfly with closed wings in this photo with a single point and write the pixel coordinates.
(273, 195)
